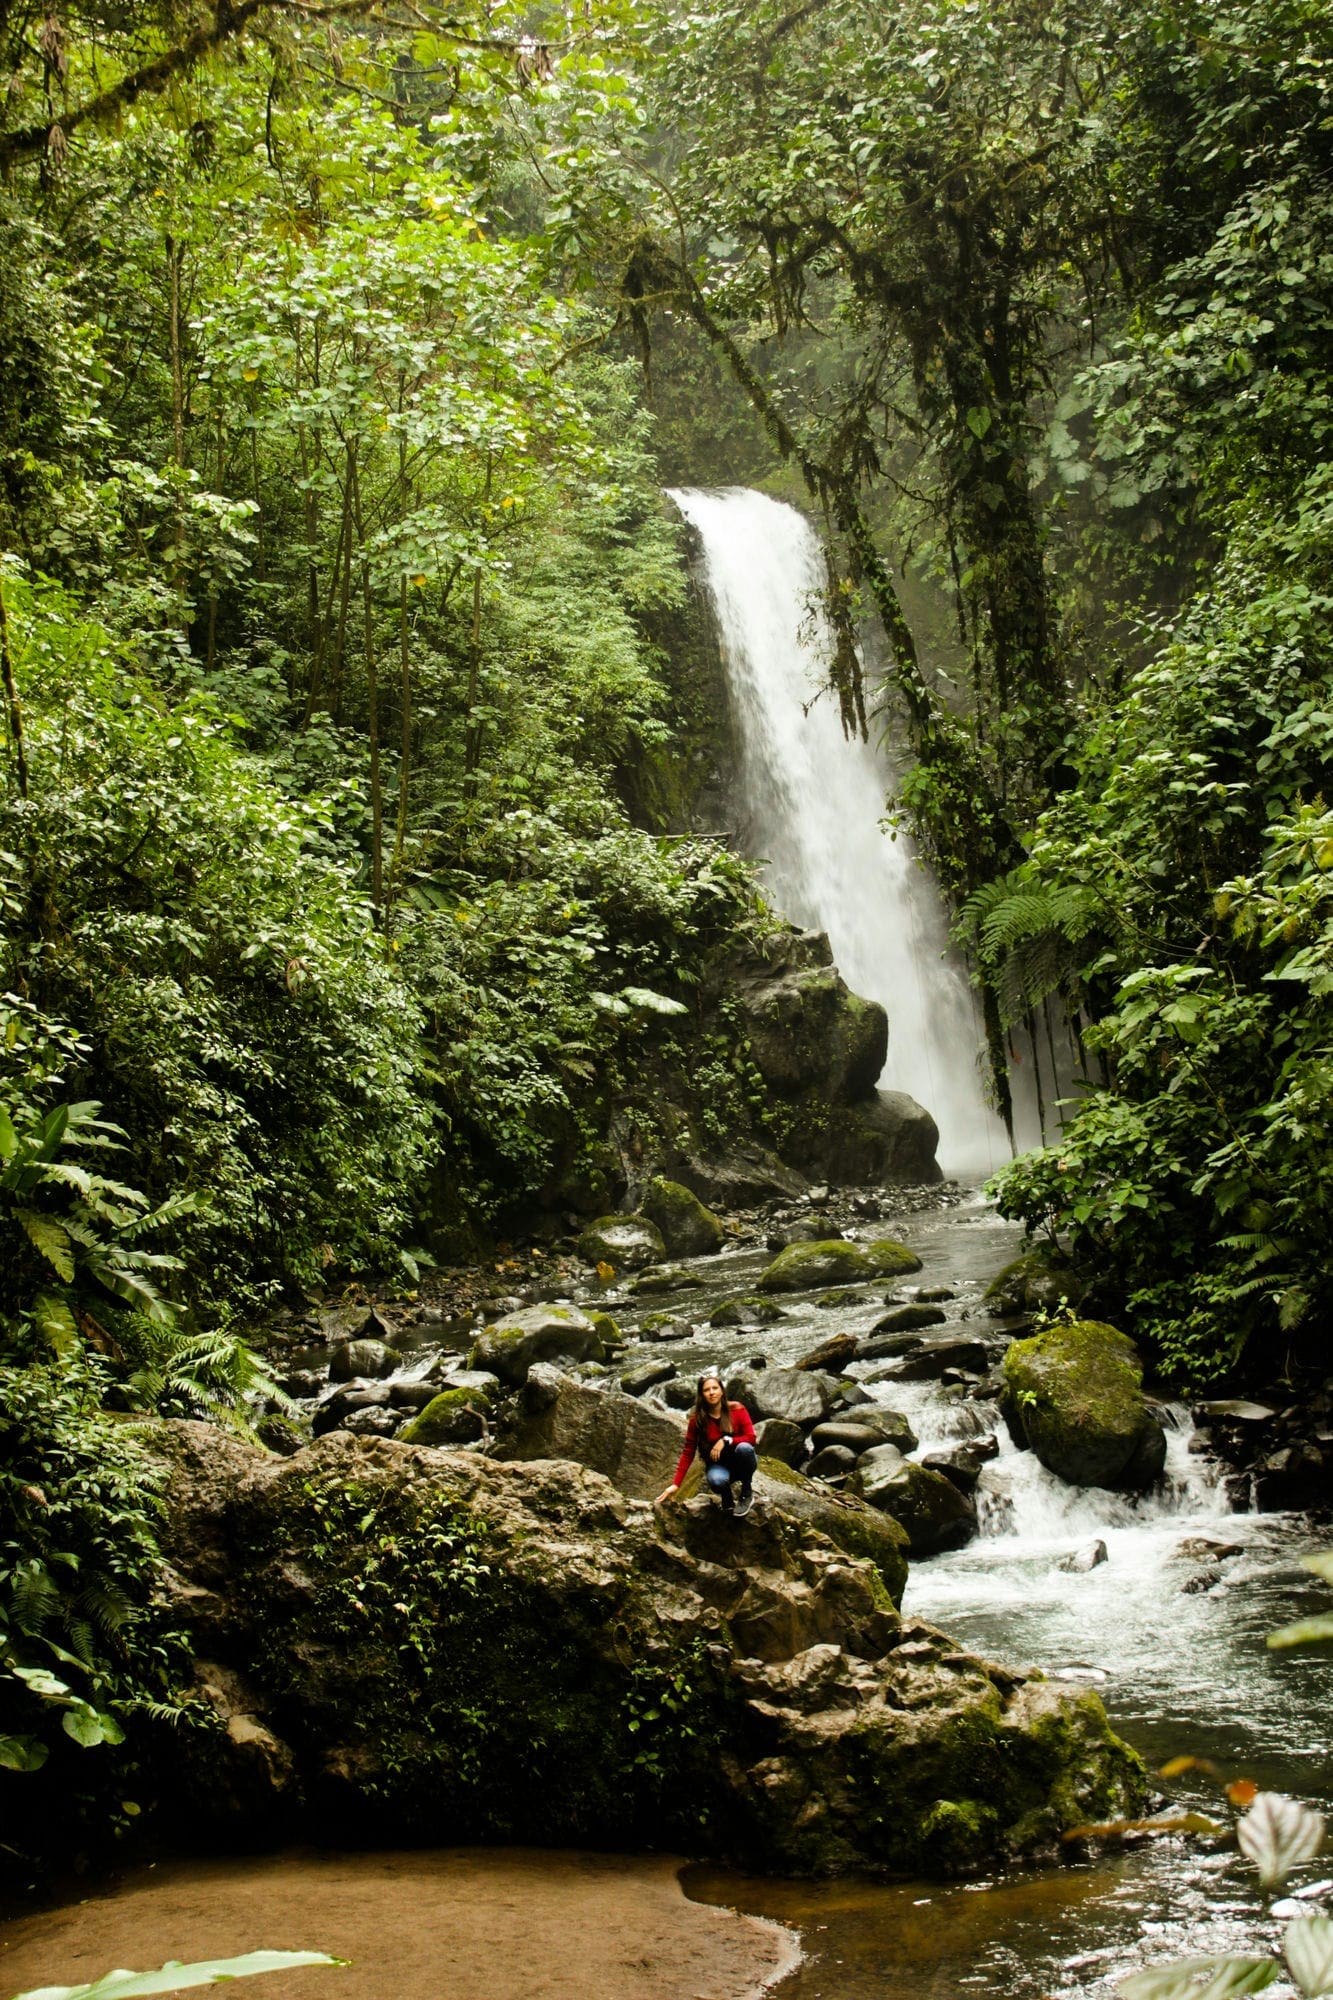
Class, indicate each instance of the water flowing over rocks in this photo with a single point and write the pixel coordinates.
(451, 1649)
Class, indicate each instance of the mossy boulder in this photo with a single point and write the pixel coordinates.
(687, 1228)
(1032, 1283)
(625, 1242)
(799, 1395)
(509, 1346)
(845, 1518)
(634, 1444)
(455, 1416)
(1073, 1394)
(802, 1267)
(929, 1507)
(665, 1278)
(746, 1309)
(444, 1649)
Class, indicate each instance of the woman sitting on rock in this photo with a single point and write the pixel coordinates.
(722, 1435)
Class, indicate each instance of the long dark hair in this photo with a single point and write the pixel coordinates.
(702, 1413)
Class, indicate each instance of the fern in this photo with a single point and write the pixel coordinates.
(35, 1599)
(1032, 941)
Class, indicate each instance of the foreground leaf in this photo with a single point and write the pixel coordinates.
(171, 1977)
(1277, 1834)
(1200, 1979)
(1307, 1946)
(1305, 1632)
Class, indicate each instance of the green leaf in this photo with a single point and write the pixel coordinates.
(173, 1976)
(9, 1144)
(89, 1727)
(1322, 1564)
(652, 1003)
(1277, 1834)
(1307, 1946)
(22, 1753)
(1200, 1979)
(55, 1321)
(51, 1239)
(1305, 1632)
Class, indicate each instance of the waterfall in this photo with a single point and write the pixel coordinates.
(813, 805)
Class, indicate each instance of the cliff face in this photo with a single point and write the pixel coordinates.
(429, 1644)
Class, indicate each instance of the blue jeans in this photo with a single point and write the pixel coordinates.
(738, 1461)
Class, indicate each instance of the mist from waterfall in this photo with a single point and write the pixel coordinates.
(813, 805)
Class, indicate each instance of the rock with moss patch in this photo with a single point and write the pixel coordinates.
(509, 1347)
(932, 1510)
(634, 1444)
(455, 1416)
(803, 1266)
(687, 1228)
(625, 1242)
(489, 1661)
(833, 1353)
(746, 1309)
(665, 1278)
(800, 1395)
(1073, 1394)
(1032, 1283)
(357, 1358)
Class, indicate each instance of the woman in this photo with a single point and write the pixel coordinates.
(722, 1435)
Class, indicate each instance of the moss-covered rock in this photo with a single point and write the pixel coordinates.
(509, 1346)
(746, 1309)
(687, 1228)
(1032, 1283)
(665, 1278)
(1073, 1394)
(441, 1649)
(625, 1242)
(801, 1267)
(849, 1524)
(455, 1416)
(929, 1507)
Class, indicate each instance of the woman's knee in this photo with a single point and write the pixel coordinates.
(718, 1476)
(745, 1456)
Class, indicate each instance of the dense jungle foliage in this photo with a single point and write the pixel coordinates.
(343, 351)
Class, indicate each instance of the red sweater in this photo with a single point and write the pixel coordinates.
(742, 1432)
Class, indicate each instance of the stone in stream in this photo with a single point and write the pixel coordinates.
(638, 1381)
(537, 1333)
(961, 1463)
(776, 1437)
(1202, 1548)
(907, 1319)
(834, 1461)
(412, 1395)
(625, 1242)
(679, 1393)
(1073, 1394)
(1233, 1412)
(747, 1309)
(929, 1506)
(804, 1267)
(342, 1323)
(666, 1326)
(839, 1301)
(862, 1429)
(928, 1362)
(1030, 1284)
(687, 1228)
(371, 1423)
(1081, 1560)
(886, 1346)
(361, 1357)
(837, 1731)
(833, 1353)
(801, 1396)
(937, 1295)
(665, 1278)
(454, 1416)
(335, 1409)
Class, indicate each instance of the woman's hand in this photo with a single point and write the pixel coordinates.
(667, 1493)
(718, 1449)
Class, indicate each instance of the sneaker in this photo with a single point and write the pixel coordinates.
(743, 1505)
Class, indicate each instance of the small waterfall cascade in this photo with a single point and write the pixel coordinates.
(814, 805)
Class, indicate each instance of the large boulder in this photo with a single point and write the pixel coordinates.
(686, 1227)
(625, 1242)
(932, 1510)
(807, 1267)
(455, 1416)
(800, 1395)
(807, 1030)
(1032, 1283)
(444, 1649)
(746, 1309)
(1073, 1394)
(634, 1444)
(509, 1346)
(888, 1138)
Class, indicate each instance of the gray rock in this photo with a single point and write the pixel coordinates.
(679, 1394)
(665, 1278)
(802, 1396)
(833, 1353)
(666, 1327)
(361, 1357)
(1084, 1559)
(1233, 1412)
(634, 1444)
(536, 1333)
(638, 1381)
(776, 1438)
(937, 1295)
(833, 1462)
(805, 1267)
(411, 1395)
(371, 1423)
(854, 1437)
(1202, 1548)
(877, 1468)
(625, 1242)
(887, 1346)
(341, 1323)
(929, 1506)
(929, 1362)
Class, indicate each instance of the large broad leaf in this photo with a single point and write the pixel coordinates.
(652, 1003)
(56, 1323)
(1322, 1564)
(1305, 1632)
(9, 1143)
(22, 1753)
(89, 1726)
(51, 1238)
(1307, 1946)
(172, 1977)
(1278, 1834)
(1200, 1979)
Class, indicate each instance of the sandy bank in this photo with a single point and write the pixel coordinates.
(465, 1924)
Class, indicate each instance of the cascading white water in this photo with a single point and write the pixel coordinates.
(814, 805)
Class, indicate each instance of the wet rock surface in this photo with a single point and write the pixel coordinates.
(1074, 1395)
